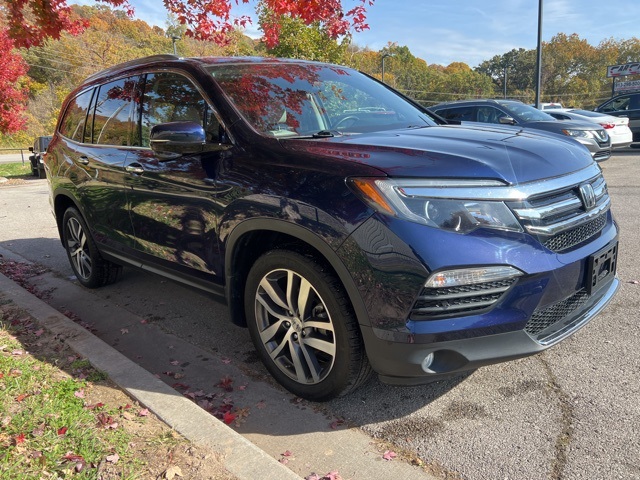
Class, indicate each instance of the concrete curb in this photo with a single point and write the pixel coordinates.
(241, 457)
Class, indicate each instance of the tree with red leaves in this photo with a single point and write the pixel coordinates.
(12, 97)
(31, 21)
(27, 23)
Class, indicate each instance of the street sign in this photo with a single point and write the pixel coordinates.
(630, 86)
(623, 70)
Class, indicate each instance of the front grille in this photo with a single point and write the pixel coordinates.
(542, 319)
(566, 217)
(571, 238)
(459, 300)
(602, 155)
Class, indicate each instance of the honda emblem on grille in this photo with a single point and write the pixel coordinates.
(588, 196)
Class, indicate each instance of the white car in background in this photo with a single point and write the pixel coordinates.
(617, 127)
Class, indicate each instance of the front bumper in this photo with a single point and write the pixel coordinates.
(417, 361)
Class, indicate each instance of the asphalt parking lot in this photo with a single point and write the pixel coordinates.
(571, 412)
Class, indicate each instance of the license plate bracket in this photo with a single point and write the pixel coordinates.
(602, 267)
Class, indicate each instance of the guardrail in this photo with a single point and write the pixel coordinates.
(21, 150)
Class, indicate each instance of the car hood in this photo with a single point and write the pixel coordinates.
(508, 154)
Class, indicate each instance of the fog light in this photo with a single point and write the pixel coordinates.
(426, 363)
(470, 276)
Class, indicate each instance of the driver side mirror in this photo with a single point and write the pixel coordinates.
(175, 139)
(507, 120)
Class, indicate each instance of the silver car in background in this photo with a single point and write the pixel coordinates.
(616, 127)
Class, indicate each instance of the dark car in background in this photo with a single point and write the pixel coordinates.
(38, 150)
(626, 105)
(345, 226)
(513, 112)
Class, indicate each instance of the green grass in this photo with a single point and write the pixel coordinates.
(13, 170)
(46, 429)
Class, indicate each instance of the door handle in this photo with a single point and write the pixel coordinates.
(134, 168)
(84, 160)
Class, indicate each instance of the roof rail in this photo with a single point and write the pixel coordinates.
(130, 63)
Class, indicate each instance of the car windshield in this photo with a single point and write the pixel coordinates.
(291, 100)
(526, 113)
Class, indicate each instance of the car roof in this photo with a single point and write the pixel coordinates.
(156, 60)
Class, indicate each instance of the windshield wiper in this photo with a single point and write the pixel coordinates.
(323, 134)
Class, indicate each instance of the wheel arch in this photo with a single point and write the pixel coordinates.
(254, 237)
(61, 202)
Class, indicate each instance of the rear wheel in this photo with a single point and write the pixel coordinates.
(90, 268)
(302, 326)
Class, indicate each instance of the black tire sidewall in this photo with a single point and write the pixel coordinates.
(324, 283)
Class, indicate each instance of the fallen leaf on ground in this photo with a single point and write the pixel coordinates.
(124, 330)
(62, 431)
(389, 455)
(171, 472)
(226, 383)
(143, 412)
(112, 458)
(228, 417)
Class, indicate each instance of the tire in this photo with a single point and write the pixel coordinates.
(90, 268)
(42, 173)
(317, 354)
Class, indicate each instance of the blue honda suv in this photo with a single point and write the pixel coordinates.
(350, 230)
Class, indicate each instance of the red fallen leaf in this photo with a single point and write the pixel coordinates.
(226, 383)
(125, 407)
(62, 431)
(180, 385)
(287, 453)
(144, 322)
(39, 332)
(143, 412)
(284, 461)
(332, 476)
(79, 394)
(20, 438)
(72, 457)
(389, 455)
(107, 421)
(228, 417)
(93, 407)
(337, 423)
(21, 397)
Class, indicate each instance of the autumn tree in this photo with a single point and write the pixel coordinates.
(12, 94)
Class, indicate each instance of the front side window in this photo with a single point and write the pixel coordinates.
(616, 105)
(526, 113)
(288, 100)
(171, 97)
(112, 118)
(75, 118)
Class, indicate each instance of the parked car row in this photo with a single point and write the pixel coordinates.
(347, 227)
(515, 113)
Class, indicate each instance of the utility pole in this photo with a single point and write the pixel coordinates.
(539, 58)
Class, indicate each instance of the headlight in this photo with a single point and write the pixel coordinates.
(578, 133)
(406, 199)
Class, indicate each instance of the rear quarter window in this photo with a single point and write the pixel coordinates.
(75, 118)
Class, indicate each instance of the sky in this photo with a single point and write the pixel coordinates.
(469, 31)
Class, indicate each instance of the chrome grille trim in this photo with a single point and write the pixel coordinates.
(566, 217)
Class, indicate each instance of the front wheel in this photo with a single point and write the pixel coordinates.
(90, 268)
(303, 327)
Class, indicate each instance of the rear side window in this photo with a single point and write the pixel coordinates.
(112, 119)
(75, 118)
(459, 113)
